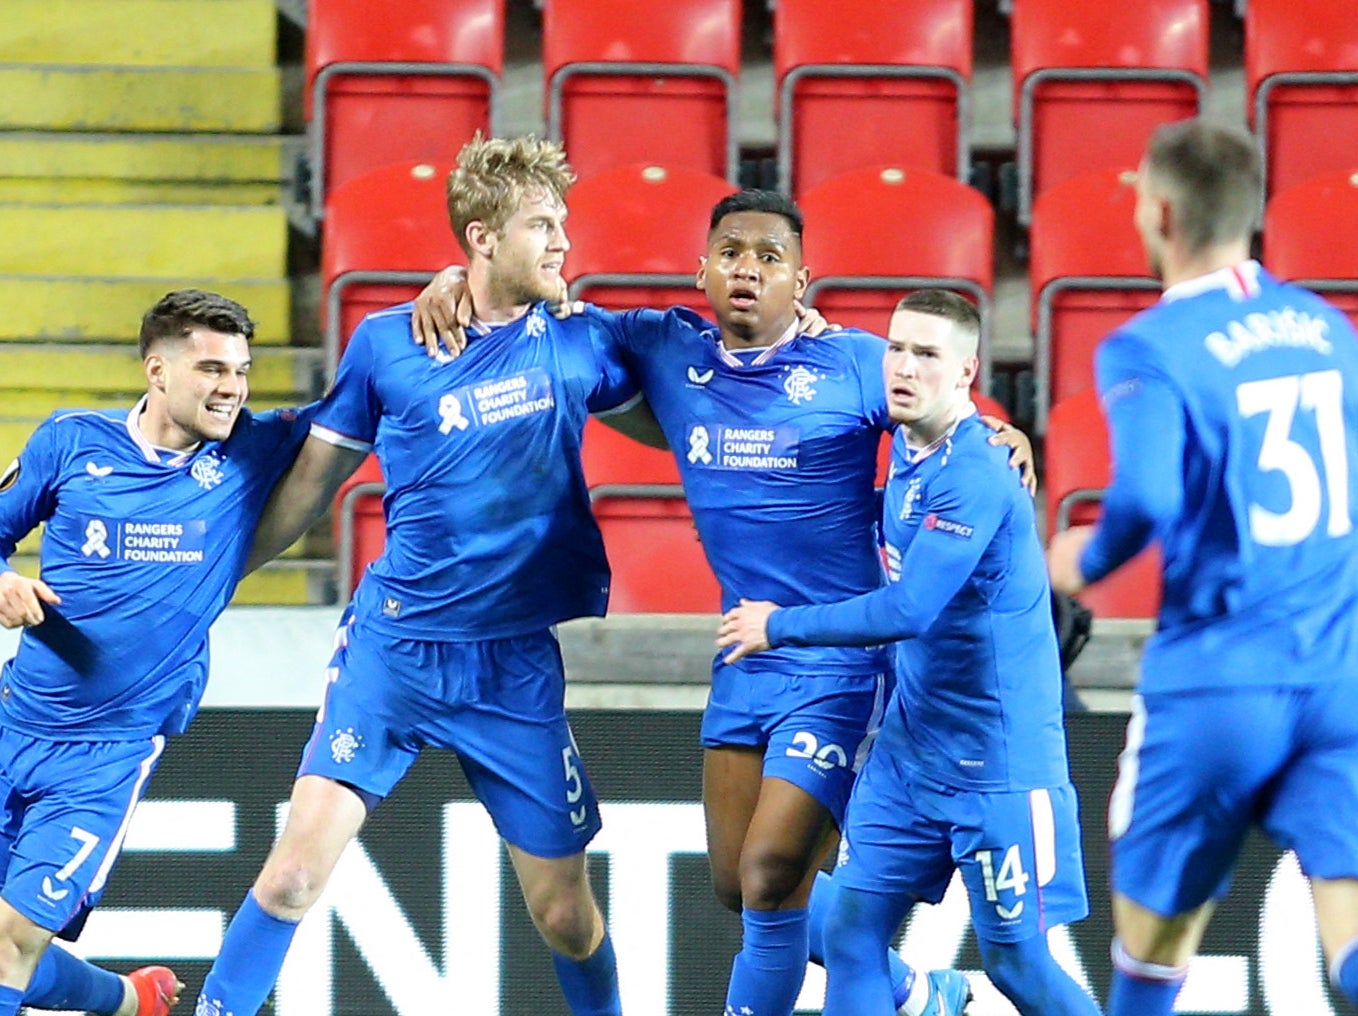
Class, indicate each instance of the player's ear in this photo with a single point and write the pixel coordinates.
(154, 365)
(480, 238)
(803, 280)
(700, 278)
(970, 366)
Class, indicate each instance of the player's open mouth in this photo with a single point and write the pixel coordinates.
(744, 299)
(222, 412)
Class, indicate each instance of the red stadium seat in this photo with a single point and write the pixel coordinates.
(1309, 235)
(386, 233)
(360, 525)
(1088, 274)
(872, 235)
(1077, 473)
(861, 83)
(1301, 80)
(653, 548)
(411, 81)
(636, 234)
(648, 82)
(1092, 79)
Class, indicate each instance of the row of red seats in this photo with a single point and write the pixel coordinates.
(636, 231)
(859, 83)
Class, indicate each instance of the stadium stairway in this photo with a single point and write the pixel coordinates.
(141, 151)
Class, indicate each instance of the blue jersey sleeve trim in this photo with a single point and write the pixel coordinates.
(1146, 431)
(334, 437)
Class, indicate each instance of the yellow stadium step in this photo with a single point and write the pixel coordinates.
(283, 373)
(241, 100)
(37, 404)
(138, 192)
(110, 310)
(284, 583)
(145, 159)
(150, 241)
(288, 582)
(219, 33)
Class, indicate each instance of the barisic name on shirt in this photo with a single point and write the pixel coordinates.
(716, 446)
(144, 542)
(1256, 332)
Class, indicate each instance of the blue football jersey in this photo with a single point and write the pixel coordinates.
(489, 528)
(777, 448)
(978, 694)
(1233, 411)
(144, 548)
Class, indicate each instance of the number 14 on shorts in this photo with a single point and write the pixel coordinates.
(1011, 876)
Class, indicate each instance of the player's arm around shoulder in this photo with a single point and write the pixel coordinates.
(301, 497)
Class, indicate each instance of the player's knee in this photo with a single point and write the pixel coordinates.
(566, 920)
(1025, 972)
(849, 944)
(726, 887)
(21, 945)
(768, 878)
(288, 886)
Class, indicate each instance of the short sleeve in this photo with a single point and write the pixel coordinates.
(348, 416)
(617, 384)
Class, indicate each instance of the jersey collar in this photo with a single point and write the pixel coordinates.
(149, 451)
(918, 453)
(1241, 282)
(766, 353)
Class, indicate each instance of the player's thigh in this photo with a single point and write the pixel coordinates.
(81, 796)
(376, 692)
(545, 880)
(1183, 801)
(516, 746)
(1020, 857)
(815, 731)
(323, 816)
(1311, 804)
(894, 840)
(788, 838)
(1336, 903)
(733, 777)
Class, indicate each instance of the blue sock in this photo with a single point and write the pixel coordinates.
(246, 968)
(1344, 971)
(61, 981)
(10, 998)
(1142, 989)
(822, 892)
(767, 974)
(858, 934)
(1028, 975)
(590, 985)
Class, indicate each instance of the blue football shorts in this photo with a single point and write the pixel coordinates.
(1018, 851)
(499, 705)
(815, 731)
(1200, 767)
(66, 809)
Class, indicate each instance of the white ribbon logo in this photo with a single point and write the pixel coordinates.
(96, 539)
(698, 441)
(451, 411)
